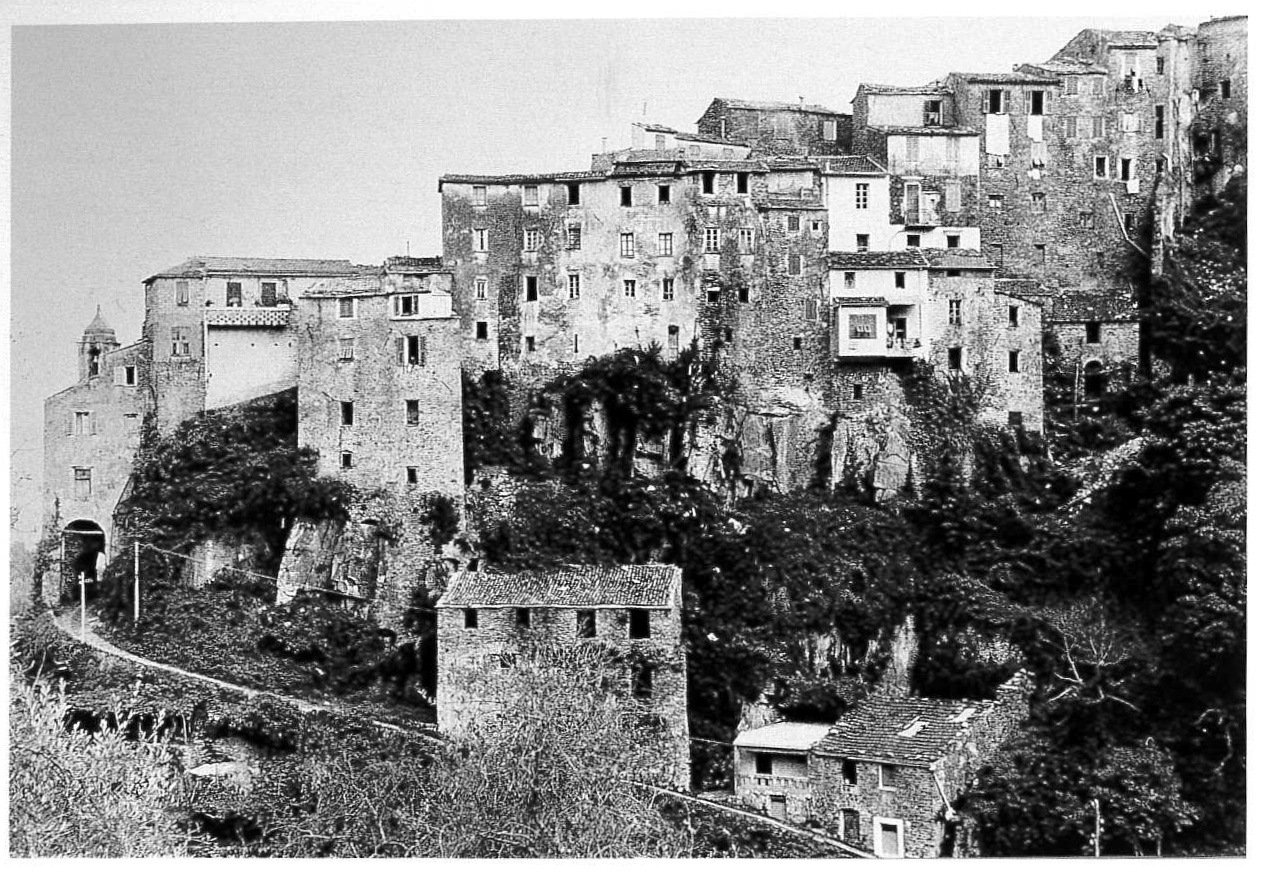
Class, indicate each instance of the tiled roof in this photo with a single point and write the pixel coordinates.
(862, 302)
(742, 104)
(654, 127)
(876, 260)
(535, 177)
(647, 156)
(785, 736)
(198, 266)
(1067, 66)
(98, 325)
(708, 139)
(645, 169)
(780, 200)
(790, 163)
(401, 262)
(852, 165)
(350, 285)
(701, 164)
(632, 585)
(1078, 305)
(1016, 77)
(926, 130)
(934, 88)
(903, 730)
(956, 258)
(1130, 38)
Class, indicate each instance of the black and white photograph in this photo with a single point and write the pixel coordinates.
(626, 433)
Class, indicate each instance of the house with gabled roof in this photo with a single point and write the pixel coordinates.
(487, 620)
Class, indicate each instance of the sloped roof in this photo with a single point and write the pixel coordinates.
(198, 266)
(1016, 77)
(1068, 66)
(743, 104)
(883, 728)
(877, 260)
(98, 325)
(956, 258)
(401, 262)
(1130, 38)
(1082, 305)
(350, 285)
(941, 131)
(632, 585)
(790, 163)
(708, 139)
(934, 88)
(530, 178)
(701, 164)
(784, 736)
(852, 165)
(645, 169)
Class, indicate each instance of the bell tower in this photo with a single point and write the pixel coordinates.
(98, 339)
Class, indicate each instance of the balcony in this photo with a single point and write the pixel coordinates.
(922, 216)
(259, 317)
(782, 784)
(902, 347)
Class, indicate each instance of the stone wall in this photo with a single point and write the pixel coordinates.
(777, 131)
(788, 779)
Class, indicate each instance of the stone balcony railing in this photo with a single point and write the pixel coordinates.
(266, 317)
(780, 783)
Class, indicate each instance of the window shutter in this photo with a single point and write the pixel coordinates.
(120, 377)
(420, 348)
(70, 423)
(400, 346)
(92, 423)
(1007, 100)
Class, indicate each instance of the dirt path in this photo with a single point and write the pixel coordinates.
(68, 622)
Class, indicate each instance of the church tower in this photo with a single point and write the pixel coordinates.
(98, 339)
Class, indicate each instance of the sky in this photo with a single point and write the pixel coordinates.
(135, 146)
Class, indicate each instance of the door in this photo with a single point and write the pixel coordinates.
(778, 807)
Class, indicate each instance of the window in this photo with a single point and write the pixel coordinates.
(639, 624)
(470, 618)
(1071, 127)
(888, 837)
(642, 682)
(1014, 361)
(995, 200)
(1038, 203)
(900, 279)
(180, 343)
(849, 278)
(828, 130)
(793, 223)
(479, 239)
(955, 358)
(672, 341)
(953, 196)
(745, 240)
(1125, 171)
(348, 413)
(523, 617)
(624, 195)
(913, 240)
(586, 623)
(405, 305)
(668, 288)
(83, 423)
(997, 249)
(861, 241)
(530, 194)
(531, 239)
(410, 349)
(762, 764)
(1093, 380)
(1130, 122)
(1071, 85)
(712, 239)
(663, 194)
(712, 294)
(574, 237)
(412, 409)
(1161, 64)
(953, 274)
(1093, 332)
(83, 482)
(797, 343)
(1159, 126)
(707, 182)
(1224, 88)
(1014, 316)
(848, 825)
(953, 240)
(849, 772)
(863, 326)
(933, 112)
(1040, 253)
(795, 265)
(1016, 418)
(530, 344)
(575, 343)
(886, 776)
(1036, 102)
(181, 292)
(856, 392)
(413, 475)
(268, 294)
(479, 195)
(1097, 127)
(348, 460)
(996, 101)
(571, 194)
(626, 245)
(727, 333)
(125, 375)
(628, 288)
(1097, 85)
(532, 288)
(1086, 220)
(574, 285)
(861, 195)
(1101, 167)
(742, 182)
(665, 244)
(480, 331)
(913, 149)
(234, 294)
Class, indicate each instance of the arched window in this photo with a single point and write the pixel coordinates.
(1093, 380)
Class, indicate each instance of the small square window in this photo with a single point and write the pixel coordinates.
(762, 764)
(1093, 332)
(624, 195)
(346, 308)
(952, 274)
(861, 241)
(913, 240)
(470, 617)
(953, 240)
(663, 194)
(628, 288)
(530, 344)
(523, 617)
(887, 776)
(347, 460)
(413, 475)
(586, 623)
(480, 331)
(1015, 418)
(797, 343)
(900, 279)
(639, 627)
(413, 410)
(995, 200)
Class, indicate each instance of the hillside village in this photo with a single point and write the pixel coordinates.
(590, 420)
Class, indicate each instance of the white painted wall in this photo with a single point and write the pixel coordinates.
(845, 221)
(244, 362)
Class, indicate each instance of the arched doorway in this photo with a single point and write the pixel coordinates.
(1093, 381)
(83, 542)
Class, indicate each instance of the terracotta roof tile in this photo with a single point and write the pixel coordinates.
(852, 165)
(877, 260)
(934, 88)
(1016, 77)
(903, 730)
(199, 266)
(742, 104)
(956, 258)
(637, 585)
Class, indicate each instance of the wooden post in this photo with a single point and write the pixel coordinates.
(1096, 803)
(136, 590)
(83, 607)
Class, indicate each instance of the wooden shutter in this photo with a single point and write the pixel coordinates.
(420, 349)
(70, 423)
(400, 345)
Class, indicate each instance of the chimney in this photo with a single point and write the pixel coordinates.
(604, 145)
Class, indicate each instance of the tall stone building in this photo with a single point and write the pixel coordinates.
(777, 127)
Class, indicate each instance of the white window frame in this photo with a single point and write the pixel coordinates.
(346, 349)
(665, 245)
(829, 132)
(668, 288)
(530, 195)
(745, 240)
(574, 237)
(479, 287)
(530, 239)
(406, 306)
(626, 245)
(877, 822)
(481, 240)
(628, 287)
(712, 240)
(479, 195)
(574, 285)
(862, 193)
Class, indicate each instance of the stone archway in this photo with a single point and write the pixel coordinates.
(84, 546)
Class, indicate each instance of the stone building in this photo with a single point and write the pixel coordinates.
(91, 433)
(778, 128)
(887, 775)
(485, 620)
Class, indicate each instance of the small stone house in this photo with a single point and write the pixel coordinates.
(485, 620)
(886, 776)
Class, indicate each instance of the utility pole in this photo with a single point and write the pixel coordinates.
(1095, 802)
(136, 591)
